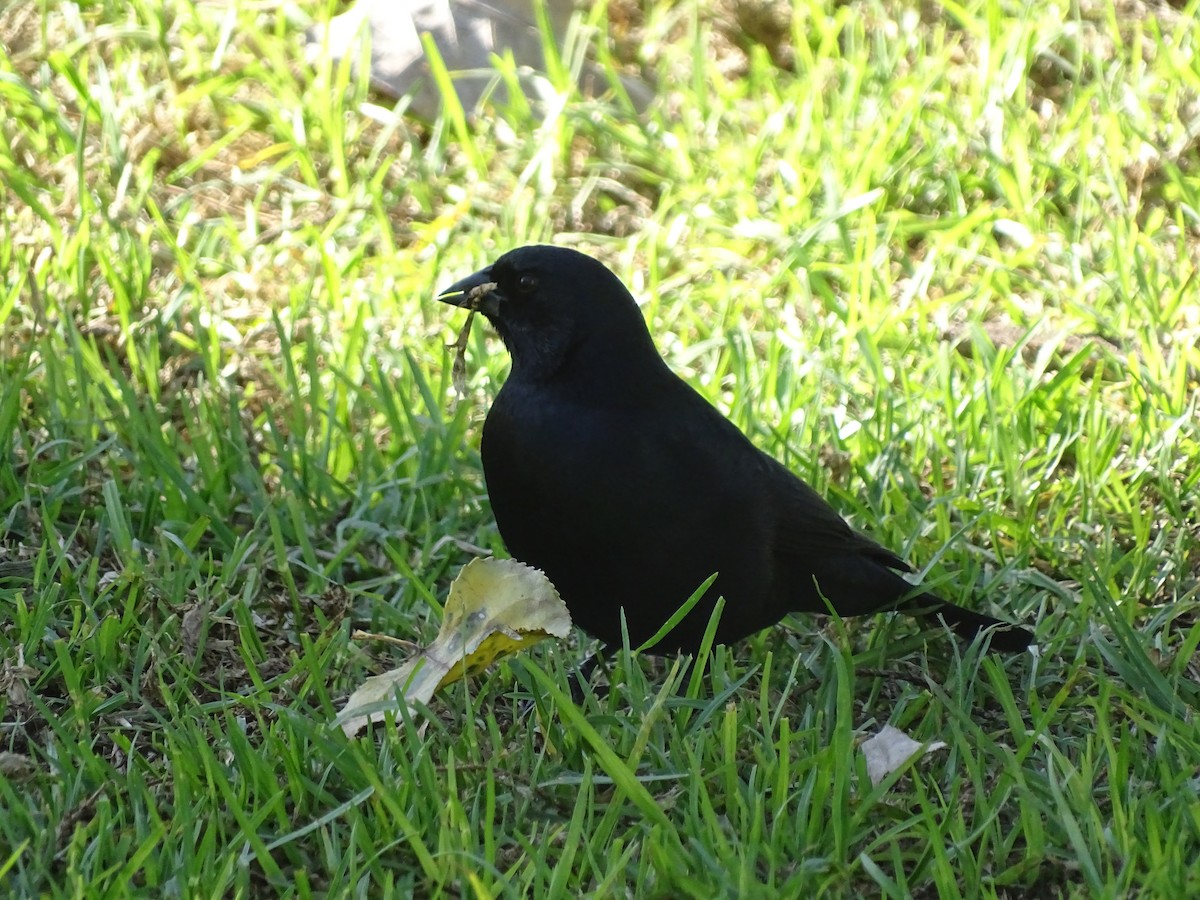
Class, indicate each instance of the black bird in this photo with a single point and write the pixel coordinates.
(629, 489)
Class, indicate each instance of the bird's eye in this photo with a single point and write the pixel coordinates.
(527, 283)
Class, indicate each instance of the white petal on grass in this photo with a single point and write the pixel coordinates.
(1016, 232)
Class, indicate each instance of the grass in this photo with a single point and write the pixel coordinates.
(944, 267)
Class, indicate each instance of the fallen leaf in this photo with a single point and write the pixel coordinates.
(496, 607)
(891, 748)
(16, 677)
(16, 767)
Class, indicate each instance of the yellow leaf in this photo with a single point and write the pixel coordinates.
(496, 607)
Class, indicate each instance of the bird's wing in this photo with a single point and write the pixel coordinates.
(819, 559)
(808, 527)
(804, 528)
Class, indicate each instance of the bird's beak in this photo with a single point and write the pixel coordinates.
(476, 291)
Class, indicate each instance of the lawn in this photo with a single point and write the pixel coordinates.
(938, 258)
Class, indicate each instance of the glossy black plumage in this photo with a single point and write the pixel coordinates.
(611, 474)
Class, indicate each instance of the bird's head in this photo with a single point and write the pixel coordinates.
(553, 306)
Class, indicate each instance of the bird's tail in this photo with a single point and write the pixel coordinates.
(966, 624)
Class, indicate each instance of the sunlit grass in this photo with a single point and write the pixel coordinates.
(945, 269)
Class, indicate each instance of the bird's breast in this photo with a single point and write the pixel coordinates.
(542, 453)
